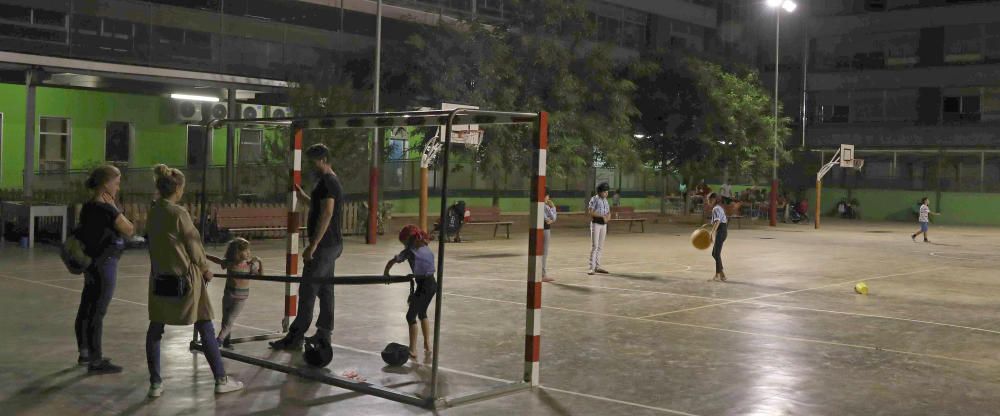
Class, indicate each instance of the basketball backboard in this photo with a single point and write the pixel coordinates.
(459, 127)
(847, 155)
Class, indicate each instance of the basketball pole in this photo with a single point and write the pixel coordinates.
(819, 196)
(424, 195)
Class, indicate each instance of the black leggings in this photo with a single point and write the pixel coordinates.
(720, 238)
(420, 299)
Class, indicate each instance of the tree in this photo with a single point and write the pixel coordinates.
(537, 60)
(697, 117)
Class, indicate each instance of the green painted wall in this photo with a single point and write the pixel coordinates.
(963, 208)
(158, 138)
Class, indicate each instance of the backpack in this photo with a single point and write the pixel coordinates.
(73, 256)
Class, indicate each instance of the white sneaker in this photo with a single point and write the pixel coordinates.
(155, 390)
(227, 385)
(590, 272)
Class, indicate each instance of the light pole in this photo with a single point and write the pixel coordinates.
(788, 6)
(373, 176)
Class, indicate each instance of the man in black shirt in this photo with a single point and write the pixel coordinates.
(325, 246)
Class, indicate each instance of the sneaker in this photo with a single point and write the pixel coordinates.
(288, 343)
(600, 270)
(83, 361)
(590, 272)
(914, 238)
(926, 240)
(103, 366)
(227, 385)
(155, 390)
(226, 343)
(547, 279)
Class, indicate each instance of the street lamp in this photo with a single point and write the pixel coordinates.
(789, 6)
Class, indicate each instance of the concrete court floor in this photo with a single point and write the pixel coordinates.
(787, 336)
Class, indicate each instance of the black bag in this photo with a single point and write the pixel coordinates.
(170, 286)
(396, 354)
(318, 352)
(73, 256)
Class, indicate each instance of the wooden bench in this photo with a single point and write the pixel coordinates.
(246, 220)
(485, 216)
(623, 214)
(488, 216)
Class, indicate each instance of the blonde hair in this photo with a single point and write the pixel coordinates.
(233, 251)
(168, 180)
(101, 176)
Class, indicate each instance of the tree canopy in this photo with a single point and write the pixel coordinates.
(699, 118)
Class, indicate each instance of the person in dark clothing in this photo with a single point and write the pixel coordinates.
(102, 230)
(325, 245)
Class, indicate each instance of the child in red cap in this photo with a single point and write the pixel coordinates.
(421, 260)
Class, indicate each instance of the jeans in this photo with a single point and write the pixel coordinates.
(323, 264)
(207, 333)
(598, 232)
(720, 238)
(545, 253)
(231, 308)
(98, 289)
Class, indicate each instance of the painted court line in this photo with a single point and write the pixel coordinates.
(735, 331)
(606, 399)
(451, 370)
(794, 291)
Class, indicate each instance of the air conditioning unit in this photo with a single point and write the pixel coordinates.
(187, 110)
(219, 111)
(250, 111)
(279, 112)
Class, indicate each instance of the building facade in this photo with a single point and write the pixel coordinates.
(84, 82)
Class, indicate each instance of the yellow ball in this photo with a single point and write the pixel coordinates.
(861, 288)
(701, 239)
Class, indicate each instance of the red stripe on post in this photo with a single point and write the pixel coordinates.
(532, 346)
(297, 140)
(294, 221)
(536, 238)
(543, 130)
(291, 305)
(292, 264)
(534, 295)
(539, 195)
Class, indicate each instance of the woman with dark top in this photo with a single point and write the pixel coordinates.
(178, 291)
(102, 231)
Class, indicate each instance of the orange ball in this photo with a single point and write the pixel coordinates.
(701, 239)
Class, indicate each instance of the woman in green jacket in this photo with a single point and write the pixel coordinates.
(178, 294)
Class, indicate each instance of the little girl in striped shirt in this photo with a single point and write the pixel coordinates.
(238, 262)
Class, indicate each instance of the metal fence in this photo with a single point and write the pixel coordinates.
(921, 170)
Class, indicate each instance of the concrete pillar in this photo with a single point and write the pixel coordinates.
(982, 171)
(31, 79)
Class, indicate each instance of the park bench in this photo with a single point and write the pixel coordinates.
(488, 216)
(627, 214)
(252, 220)
(485, 216)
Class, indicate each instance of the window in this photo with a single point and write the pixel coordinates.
(963, 44)
(832, 107)
(251, 146)
(196, 156)
(53, 144)
(867, 106)
(118, 143)
(960, 108)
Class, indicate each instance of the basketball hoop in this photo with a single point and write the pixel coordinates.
(469, 138)
(857, 163)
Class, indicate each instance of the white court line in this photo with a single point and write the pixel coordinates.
(795, 291)
(591, 396)
(451, 370)
(735, 331)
